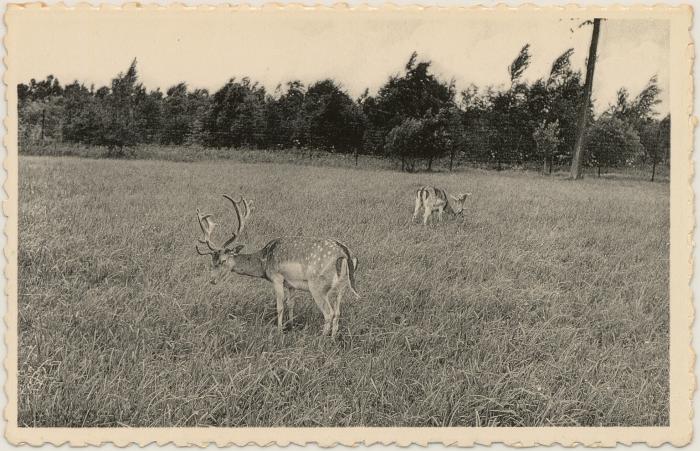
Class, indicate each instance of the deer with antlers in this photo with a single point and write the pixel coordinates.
(436, 199)
(319, 266)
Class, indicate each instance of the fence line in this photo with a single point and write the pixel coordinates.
(309, 156)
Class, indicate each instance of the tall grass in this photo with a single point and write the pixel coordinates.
(547, 305)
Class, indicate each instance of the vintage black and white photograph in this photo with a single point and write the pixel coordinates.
(299, 218)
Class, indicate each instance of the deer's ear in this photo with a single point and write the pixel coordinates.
(238, 248)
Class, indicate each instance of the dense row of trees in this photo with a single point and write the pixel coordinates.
(415, 116)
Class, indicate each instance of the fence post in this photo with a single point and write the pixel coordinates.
(43, 124)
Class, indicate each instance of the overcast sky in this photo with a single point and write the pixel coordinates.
(359, 52)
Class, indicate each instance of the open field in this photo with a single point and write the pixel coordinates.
(547, 305)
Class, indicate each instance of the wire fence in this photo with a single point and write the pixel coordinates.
(319, 157)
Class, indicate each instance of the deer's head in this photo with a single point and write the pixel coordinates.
(458, 206)
(223, 258)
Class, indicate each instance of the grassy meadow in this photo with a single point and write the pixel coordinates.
(547, 304)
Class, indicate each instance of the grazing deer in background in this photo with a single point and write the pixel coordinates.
(436, 199)
(319, 266)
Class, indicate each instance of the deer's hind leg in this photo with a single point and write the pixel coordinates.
(336, 308)
(278, 285)
(319, 291)
(427, 211)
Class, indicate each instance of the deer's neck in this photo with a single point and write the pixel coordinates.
(249, 265)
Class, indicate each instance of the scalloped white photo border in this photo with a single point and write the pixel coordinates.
(682, 379)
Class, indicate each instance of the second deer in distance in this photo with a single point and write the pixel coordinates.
(436, 199)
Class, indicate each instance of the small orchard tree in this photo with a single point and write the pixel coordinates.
(660, 148)
(119, 115)
(564, 90)
(611, 142)
(331, 120)
(450, 131)
(433, 139)
(547, 139)
(236, 116)
(283, 115)
(405, 141)
(176, 125)
(41, 111)
(415, 93)
(83, 117)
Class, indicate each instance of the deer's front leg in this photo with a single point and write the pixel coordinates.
(426, 214)
(278, 284)
(416, 208)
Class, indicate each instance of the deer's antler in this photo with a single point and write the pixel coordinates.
(202, 253)
(241, 219)
(207, 225)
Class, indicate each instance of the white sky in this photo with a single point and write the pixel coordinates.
(359, 52)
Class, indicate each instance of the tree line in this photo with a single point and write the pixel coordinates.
(415, 116)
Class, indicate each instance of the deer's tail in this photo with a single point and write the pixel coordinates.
(352, 267)
(347, 264)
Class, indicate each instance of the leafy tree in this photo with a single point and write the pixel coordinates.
(330, 119)
(561, 68)
(177, 121)
(41, 90)
(284, 118)
(183, 114)
(40, 111)
(639, 108)
(405, 141)
(237, 115)
(611, 142)
(450, 133)
(509, 116)
(479, 133)
(546, 135)
(425, 138)
(119, 119)
(659, 149)
(376, 127)
(416, 94)
(564, 91)
(198, 107)
(40, 121)
(83, 119)
(23, 93)
(640, 113)
(519, 64)
(149, 115)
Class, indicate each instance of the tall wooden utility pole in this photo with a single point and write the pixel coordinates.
(578, 156)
